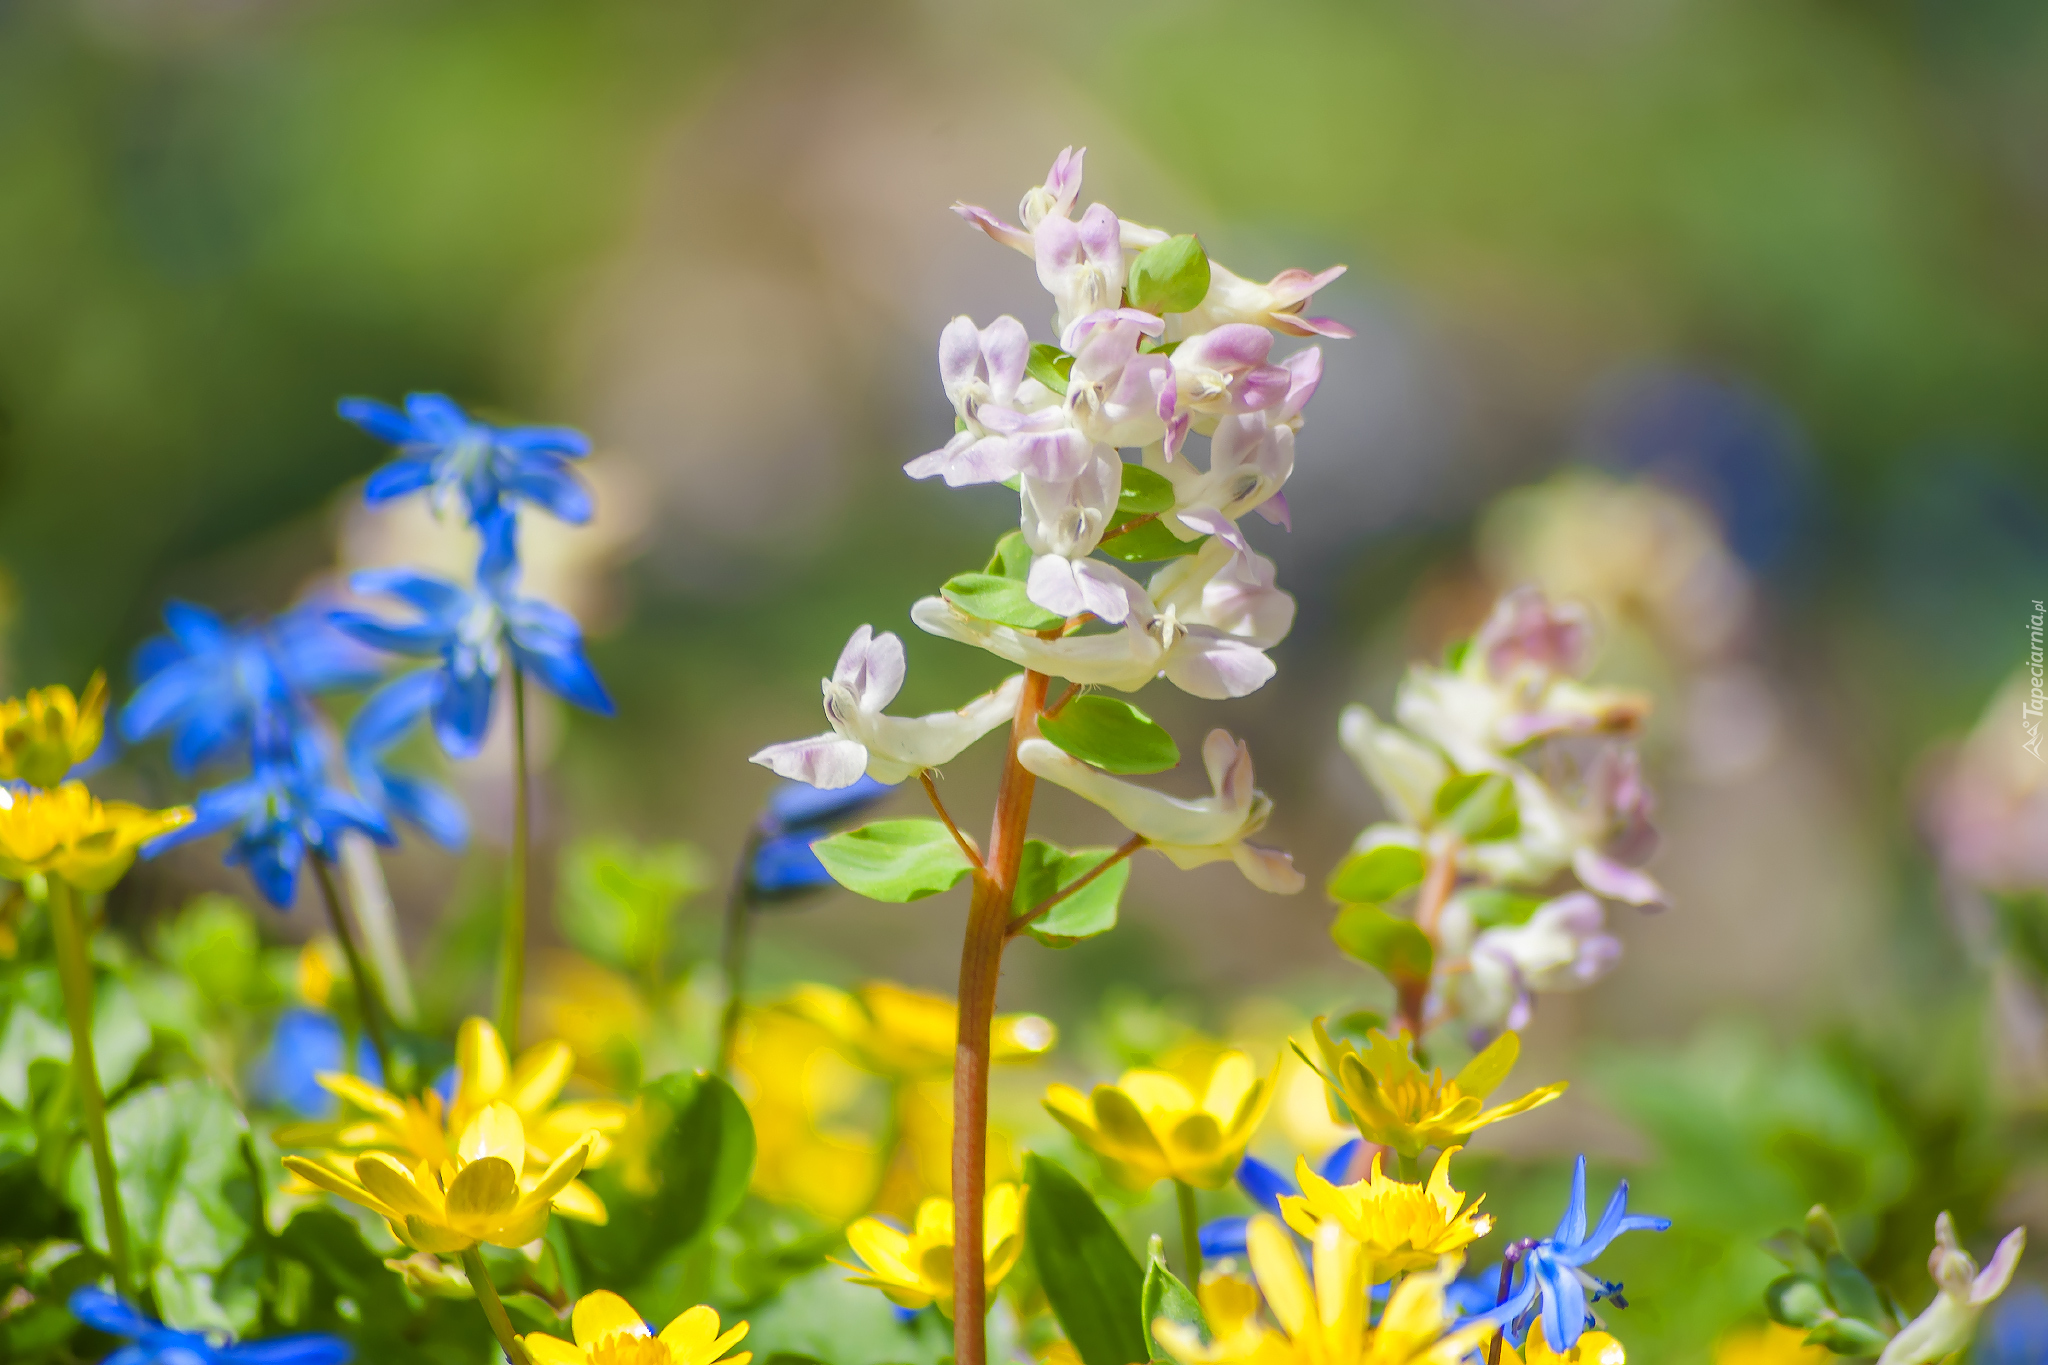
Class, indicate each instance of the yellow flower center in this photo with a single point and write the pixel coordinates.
(629, 1348)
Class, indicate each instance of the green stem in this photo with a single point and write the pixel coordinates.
(1410, 1167)
(74, 971)
(512, 944)
(732, 951)
(369, 1000)
(494, 1307)
(1190, 1234)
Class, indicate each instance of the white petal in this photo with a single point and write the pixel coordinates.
(824, 761)
(1269, 869)
(902, 745)
(1160, 818)
(1205, 663)
(1125, 660)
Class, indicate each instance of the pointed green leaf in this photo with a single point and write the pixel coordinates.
(1378, 874)
(1112, 734)
(1012, 558)
(1045, 869)
(1090, 1277)
(998, 599)
(1479, 806)
(1492, 906)
(1050, 366)
(1166, 1297)
(1795, 1301)
(1397, 947)
(1172, 277)
(1146, 540)
(1853, 1293)
(1145, 492)
(1848, 1337)
(894, 860)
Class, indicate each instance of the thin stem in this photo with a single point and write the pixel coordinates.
(369, 899)
(1410, 1167)
(512, 944)
(1507, 1282)
(1123, 851)
(981, 960)
(1190, 1234)
(369, 1001)
(74, 972)
(1073, 691)
(967, 847)
(494, 1307)
(733, 945)
(1438, 882)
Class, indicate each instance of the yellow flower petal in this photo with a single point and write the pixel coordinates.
(1281, 1278)
(482, 1192)
(539, 1077)
(429, 1235)
(601, 1313)
(547, 1350)
(577, 1200)
(495, 1132)
(480, 1064)
(393, 1185)
(363, 1095)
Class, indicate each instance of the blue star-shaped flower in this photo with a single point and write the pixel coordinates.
(471, 629)
(445, 451)
(377, 728)
(1554, 1267)
(152, 1343)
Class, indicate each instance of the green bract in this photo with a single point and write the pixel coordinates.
(1112, 734)
(1167, 1297)
(894, 860)
(1172, 277)
(1376, 874)
(1001, 600)
(1050, 366)
(1046, 870)
(1397, 947)
(1479, 806)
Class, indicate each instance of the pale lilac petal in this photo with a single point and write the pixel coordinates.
(1305, 368)
(1262, 387)
(1328, 328)
(992, 459)
(1101, 235)
(825, 761)
(1992, 1279)
(1056, 456)
(1215, 667)
(1274, 510)
(1056, 243)
(1009, 236)
(1051, 584)
(959, 355)
(1105, 590)
(1211, 522)
(1064, 179)
(853, 659)
(1006, 348)
(1103, 320)
(1221, 757)
(939, 461)
(1617, 882)
(882, 678)
(1234, 345)
(1268, 869)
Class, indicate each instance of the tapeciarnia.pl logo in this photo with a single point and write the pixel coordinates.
(2030, 716)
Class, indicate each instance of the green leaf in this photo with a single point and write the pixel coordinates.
(1848, 1337)
(1377, 874)
(1050, 366)
(1147, 540)
(186, 1189)
(1046, 869)
(1012, 558)
(1397, 947)
(1479, 806)
(1795, 1301)
(32, 1006)
(1492, 906)
(1853, 1294)
(618, 898)
(894, 860)
(1172, 277)
(1112, 734)
(1166, 1297)
(1144, 492)
(1002, 600)
(1090, 1277)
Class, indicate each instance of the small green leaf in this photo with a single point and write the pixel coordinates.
(1397, 947)
(1455, 652)
(186, 1190)
(1050, 366)
(1091, 1279)
(706, 1158)
(619, 899)
(1172, 277)
(1112, 734)
(1146, 540)
(1479, 806)
(1166, 1297)
(1491, 906)
(1853, 1294)
(1046, 870)
(997, 599)
(1821, 1234)
(1012, 558)
(1377, 874)
(1144, 492)
(1848, 1337)
(1795, 1301)
(894, 860)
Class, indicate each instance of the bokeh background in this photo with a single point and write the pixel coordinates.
(1731, 315)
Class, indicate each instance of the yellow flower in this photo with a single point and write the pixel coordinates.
(1771, 1343)
(609, 1332)
(916, 1268)
(68, 832)
(1396, 1104)
(486, 1191)
(422, 1132)
(1324, 1321)
(897, 1032)
(1152, 1125)
(48, 732)
(1594, 1348)
(1401, 1226)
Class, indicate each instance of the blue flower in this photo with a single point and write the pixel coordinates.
(304, 1044)
(217, 688)
(470, 629)
(1555, 1266)
(283, 810)
(377, 728)
(156, 1344)
(2017, 1333)
(1264, 1185)
(450, 454)
(797, 816)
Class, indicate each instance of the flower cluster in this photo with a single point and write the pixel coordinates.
(1519, 806)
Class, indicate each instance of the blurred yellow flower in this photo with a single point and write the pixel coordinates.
(48, 732)
(1325, 1321)
(485, 1191)
(916, 1268)
(1770, 1343)
(67, 832)
(897, 1032)
(805, 1098)
(1397, 1104)
(609, 1332)
(1154, 1125)
(1402, 1226)
(422, 1131)
(1598, 1348)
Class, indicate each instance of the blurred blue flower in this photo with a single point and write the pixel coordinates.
(450, 454)
(470, 629)
(1264, 1185)
(798, 815)
(384, 721)
(284, 809)
(2017, 1332)
(156, 1344)
(1555, 1266)
(303, 1044)
(218, 688)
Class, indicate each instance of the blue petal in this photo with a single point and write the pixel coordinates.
(1224, 1237)
(302, 1045)
(558, 440)
(408, 474)
(334, 812)
(310, 1348)
(273, 861)
(313, 656)
(568, 676)
(430, 806)
(1340, 1166)
(786, 865)
(195, 627)
(215, 810)
(105, 1312)
(381, 420)
(420, 638)
(1613, 1222)
(1571, 1229)
(1502, 1315)
(436, 417)
(166, 692)
(207, 732)
(1264, 1184)
(497, 567)
(462, 713)
(1564, 1302)
(392, 710)
(544, 480)
(431, 595)
(798, 805)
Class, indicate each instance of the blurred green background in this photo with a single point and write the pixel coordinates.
(1785, 256)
